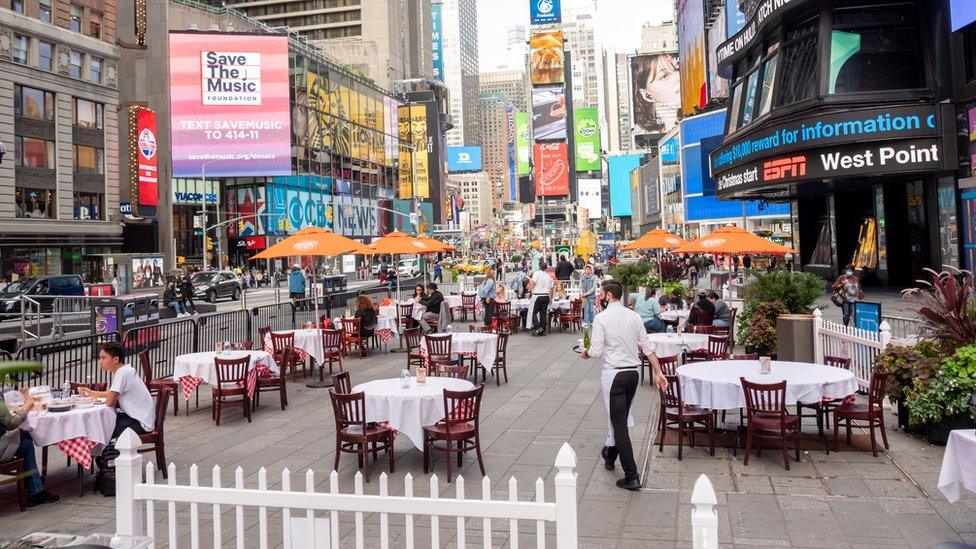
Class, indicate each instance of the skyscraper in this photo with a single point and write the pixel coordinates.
(514, 83)
(494, 143)
(459, 33)
(617, 101)
(659, 38)
(518, 47)
(581, 42)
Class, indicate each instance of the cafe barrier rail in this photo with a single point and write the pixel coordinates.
(860, 346)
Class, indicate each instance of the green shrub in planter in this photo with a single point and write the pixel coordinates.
(947, 394)
(796, 292)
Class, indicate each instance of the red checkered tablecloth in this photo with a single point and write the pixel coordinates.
(78, 449)
(385, 334)
(188, 384)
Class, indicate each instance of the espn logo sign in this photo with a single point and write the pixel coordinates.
(783, 168)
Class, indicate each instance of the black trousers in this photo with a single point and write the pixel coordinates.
(540, 313)
(621, 397)
(123, 422)
(489, 309)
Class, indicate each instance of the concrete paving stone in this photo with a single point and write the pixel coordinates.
(879, 470)
(847, 486)
(720, 482)
(756, 517)
(888, 488)
(924, 530)
(803, 503)
(863, 519)
(914, 506)
(961, 518)
(813, 528)
(753, 484)
(798, 486)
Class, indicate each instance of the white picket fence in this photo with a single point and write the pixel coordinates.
(136, 504)
(860, 346)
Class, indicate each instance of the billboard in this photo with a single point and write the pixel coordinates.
(734, 19)
(656, 94)
(962, 13)
(406, 157)
(544, 12)
(619, 168)
(546, 59)
(229, 104)
(717, 85)
(587, 127)
(549, 113)
(147, 159)
(691, 51)
(437, 40)
(512, 172)
(463, 159)
(147, 272)
(551, 169)
(589, 196)
(522, 139)
(414, 157)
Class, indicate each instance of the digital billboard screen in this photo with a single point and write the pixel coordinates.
(147, 157)
(656, 95)
(549, 113)
(589, 196)
(691, 51)
(546, 64)
(587, 123)
(619, 168)
(544, 12)
(523, 137)
(551, 169)
(229, 104)
(463, 159)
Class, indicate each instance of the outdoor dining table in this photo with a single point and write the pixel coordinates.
(75, 432)
(958, 464)
(480, 344)
(386, 327)
(679, 315)
(716, 385)
(409, 410)
(307, 340)
(675, 344)
(192, 369)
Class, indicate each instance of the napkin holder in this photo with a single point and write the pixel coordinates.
(421, 375)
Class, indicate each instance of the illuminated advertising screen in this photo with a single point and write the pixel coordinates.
(414, 157)
(463, 159)
(587, 127)
(147, 272)
(147, 159)
(551, 169)
(691, 51)
(546, 59)
(589, 196)
(229, 104)
(734, 18)
(437, 40)
(549, 113)
(619, 174)
(544, 12)
(656, 95)
(523, 137)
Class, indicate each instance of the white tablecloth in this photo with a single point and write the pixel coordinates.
(388, 310)
(716, 385)
(674, 344)
(958, 464)
(95, 423)
(308, 340)
(387, 323)
(481, 344)
(680, 315)
(528, 303)
(201, 365)
(409, 410)
(453, 301)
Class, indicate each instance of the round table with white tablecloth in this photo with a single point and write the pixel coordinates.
(479, 344)
(192, 369)
(76, 432)
(958, 464)
(387, 310)
(308, 340)
(716, 385)
(675, 344)
(409, 410)
(680, 316)
(386, 328)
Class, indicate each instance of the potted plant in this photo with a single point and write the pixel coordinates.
(760, 334)
(796, 292)
(632, 275)
(942, 403)
(908, 367)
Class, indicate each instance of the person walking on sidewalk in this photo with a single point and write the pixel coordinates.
(617, 335)
(847, 292)
(541, 287)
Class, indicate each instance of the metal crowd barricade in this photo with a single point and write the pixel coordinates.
(164, 341)
(68, 359)
(232, 326)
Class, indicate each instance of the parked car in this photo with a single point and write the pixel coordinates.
(408, 267)
(213, 285)
(42, 289)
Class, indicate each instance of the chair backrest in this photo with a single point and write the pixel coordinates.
(732, 323)
(241, 345)
(700, 317)
(698, 328)
(281, 341)
(438, 346)
(342, 383)
(462, 406)
(718, 347)
(162, 399)
(351, 326)
(325, 322)
(405, 311)
(90, 386)
(503, 309)
(289, 360)
(457, 371)
(412, 337)
(468, 300)
(576, 307)
(669, 364)
(349, 409)
(263, 332)
(876, 392)
(671, 397)
(722, 331)
(764, 399)
(837, 362)
(331, 340)
(145, 364)
(479, 329)
(231, 369)
(747, 356)
(501, 346)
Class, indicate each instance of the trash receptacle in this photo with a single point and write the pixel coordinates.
(795, 338)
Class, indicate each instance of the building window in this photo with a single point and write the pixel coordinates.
(95, 24)
(45, 55)
(44, 10)
(95, 70)
(88, 206)
(799, 64)
(74, 64)
(89, 160)
(33, 103)
(19, 49)
(88, 114)
(17, 6)
(74, 22)
(875, 48)
(36, 203)
(33, 153)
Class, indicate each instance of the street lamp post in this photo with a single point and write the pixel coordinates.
(203, 203)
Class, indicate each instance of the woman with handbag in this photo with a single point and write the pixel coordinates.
(486, 293)
(847, 292)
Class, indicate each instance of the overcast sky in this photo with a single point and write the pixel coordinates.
(619, 23)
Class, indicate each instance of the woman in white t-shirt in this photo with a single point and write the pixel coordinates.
(128, 392)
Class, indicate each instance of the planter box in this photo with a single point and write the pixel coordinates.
(795, 337)
(938, 433)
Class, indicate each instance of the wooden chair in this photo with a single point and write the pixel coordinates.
(500, 365)
(574, 317)
(154, 441)
(352, 330)
(676, 414)
(749, 356)
(439, 351)
(405, 319)
(669, 365)
(15, 468)
(503, 316)
(231, 387)
(723, 331)
(479, 329)
(412, 337)
(279, 342)
(718, 349)
(332, 347)
(342, 383)
(767, 418)
(354, 435)
(456, 371)
(823, 408)
(241, 346)
(155, 384)
(699, 328)
(468, 303)
(276, 382)
(871, 415)
(264, 332)
(700, 317)
(458, 431)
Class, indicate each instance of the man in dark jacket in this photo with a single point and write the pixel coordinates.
(564, 269)
(186, 295)
(433, 305)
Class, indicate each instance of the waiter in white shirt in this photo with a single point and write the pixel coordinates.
(541, 288)
(617, 334)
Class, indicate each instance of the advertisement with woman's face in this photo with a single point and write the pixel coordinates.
(656, 92)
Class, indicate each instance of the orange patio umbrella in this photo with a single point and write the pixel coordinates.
(657, 238)
(733, 240)
(311, 241)
(433, 242)
(399, 243)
